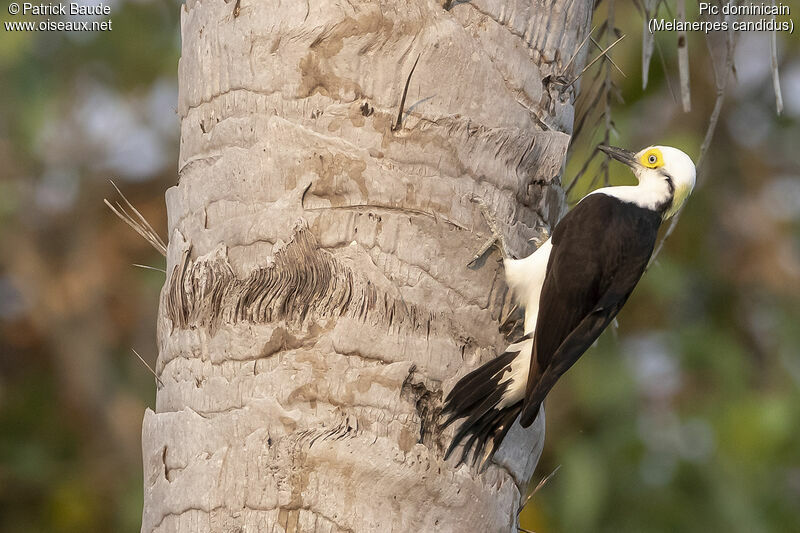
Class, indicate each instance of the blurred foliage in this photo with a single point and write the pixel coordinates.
(78, 109)
(686, 418)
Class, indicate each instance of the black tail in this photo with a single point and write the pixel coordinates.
(476, 396)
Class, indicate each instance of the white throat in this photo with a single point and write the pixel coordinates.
(651, 193)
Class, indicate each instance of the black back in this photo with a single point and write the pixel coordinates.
(600, 251)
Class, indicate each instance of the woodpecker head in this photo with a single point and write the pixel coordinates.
(659, 164)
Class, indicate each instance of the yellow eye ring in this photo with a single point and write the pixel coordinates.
(652, 158)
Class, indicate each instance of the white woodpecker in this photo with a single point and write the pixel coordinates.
(571, 288)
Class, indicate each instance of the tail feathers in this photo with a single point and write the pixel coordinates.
(501, 425)
(485, 437)
(475, 387)
(477, 397)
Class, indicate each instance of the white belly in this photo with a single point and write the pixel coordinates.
(525, 278)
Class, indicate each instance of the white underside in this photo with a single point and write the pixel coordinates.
(525, 278)
(649, 194)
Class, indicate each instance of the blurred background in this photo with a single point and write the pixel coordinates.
(685, 418)
(77, 109)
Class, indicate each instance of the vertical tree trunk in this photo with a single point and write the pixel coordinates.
(317, 301)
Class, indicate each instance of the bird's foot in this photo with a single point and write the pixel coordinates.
(497, 238)
(539, 240)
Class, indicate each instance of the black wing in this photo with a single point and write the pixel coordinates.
(600, 251)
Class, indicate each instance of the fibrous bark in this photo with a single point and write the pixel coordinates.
(317, 303)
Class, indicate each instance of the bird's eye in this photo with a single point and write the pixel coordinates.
(652, 158)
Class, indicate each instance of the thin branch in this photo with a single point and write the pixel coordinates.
(608, 85)
(683, 60)
(713, 63)
(604, 171)
(665, 70)
(712, 126)
(541, 484)
(160, 383)
(666, 6)
(148, 267)
(136, 221)
(580, 173)
(602, 54)
(571, 59)
(609, 58)
(776, 81)
(648, 40)
(399, 123)
(586, 110)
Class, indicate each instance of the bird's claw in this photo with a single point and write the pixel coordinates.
(539, 240)
(497, 236)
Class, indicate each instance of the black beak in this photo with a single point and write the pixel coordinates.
(620, 154)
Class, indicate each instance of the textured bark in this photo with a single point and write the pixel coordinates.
(317, 302)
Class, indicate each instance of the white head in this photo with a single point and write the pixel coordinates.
(660, 164)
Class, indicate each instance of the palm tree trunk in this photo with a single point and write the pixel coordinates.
(318, 302)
